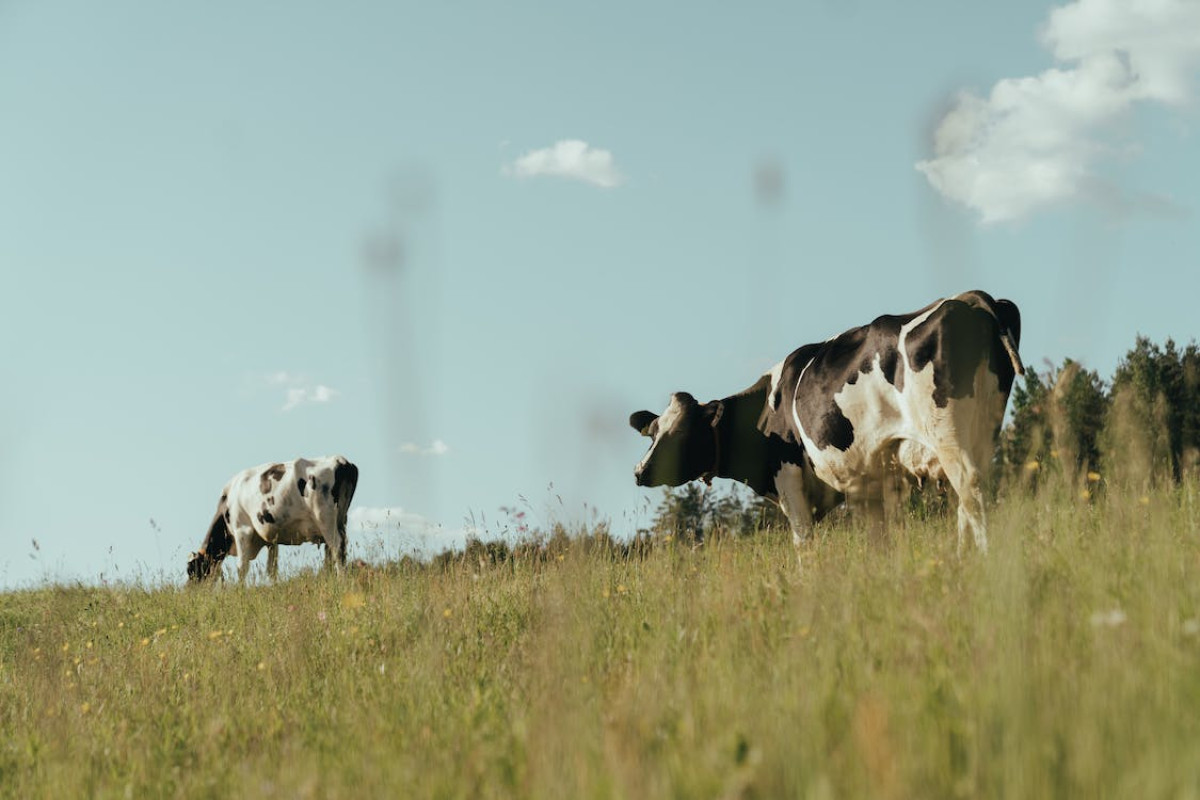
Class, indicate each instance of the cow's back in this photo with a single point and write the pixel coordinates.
(955, 339)
(924, 377)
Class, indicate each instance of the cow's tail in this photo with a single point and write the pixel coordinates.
(1010, 332)
(345, 480)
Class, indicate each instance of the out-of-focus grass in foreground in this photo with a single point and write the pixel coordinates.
(1066, 662)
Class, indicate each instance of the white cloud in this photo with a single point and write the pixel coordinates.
(569, 158)
(436, 448)
(1036, 141)
(279, 378)
(299, 395)
(298, 389)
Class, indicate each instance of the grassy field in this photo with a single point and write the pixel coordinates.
(1065, 663)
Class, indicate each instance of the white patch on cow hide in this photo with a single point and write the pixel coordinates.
(776, 373)
(874, 408)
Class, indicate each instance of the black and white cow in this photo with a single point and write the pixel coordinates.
(924, 391)
(283, 503)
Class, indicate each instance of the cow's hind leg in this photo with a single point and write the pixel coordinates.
(967, 483)
(335, 550)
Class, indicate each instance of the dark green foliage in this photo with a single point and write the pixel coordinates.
(1057, 419)
(1160, 390)
(537, 547)
(694, 512)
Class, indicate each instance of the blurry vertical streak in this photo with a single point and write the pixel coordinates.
(764, 306)
(402, 283)
(1083, 293)
(947, 231)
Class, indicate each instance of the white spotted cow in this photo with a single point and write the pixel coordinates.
(282, 503)
(924, 391)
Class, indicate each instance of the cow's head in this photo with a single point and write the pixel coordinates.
(200, 566)
(684, 442)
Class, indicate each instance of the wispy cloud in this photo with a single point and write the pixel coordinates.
(280, 378)
(436, 448)
(569, 158)
(299, 389)
(299, 395)
(1038, 141)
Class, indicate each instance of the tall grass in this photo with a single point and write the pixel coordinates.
(1064, 663)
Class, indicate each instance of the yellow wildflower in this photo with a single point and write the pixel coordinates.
(1032, 466)
(1093, 477)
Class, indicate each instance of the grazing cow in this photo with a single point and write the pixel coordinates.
(284, 503)
(923, 391)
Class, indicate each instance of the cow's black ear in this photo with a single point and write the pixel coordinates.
(714, 410)
(641, 421)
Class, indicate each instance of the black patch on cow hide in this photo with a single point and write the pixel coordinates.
(756, 440)
(839, 363)
(345, 481)
(218, 542)
(957, 338)
(1010, 319)
(300, 484)
(270, 475)
(265, 517)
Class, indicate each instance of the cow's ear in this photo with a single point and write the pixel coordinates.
(714, 411)
(684, 399)
(641, 421)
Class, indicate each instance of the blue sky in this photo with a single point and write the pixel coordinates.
(459, 243)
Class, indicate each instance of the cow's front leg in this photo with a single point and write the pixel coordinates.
(273, 561)
(248, 546)
(865, 497)
(789, 485)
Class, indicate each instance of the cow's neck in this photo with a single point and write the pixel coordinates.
(741, 451)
